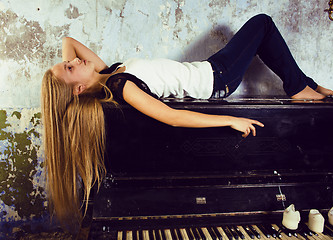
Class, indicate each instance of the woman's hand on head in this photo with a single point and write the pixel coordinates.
(245, 125)
(72, 49)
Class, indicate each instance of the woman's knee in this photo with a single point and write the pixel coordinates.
(262, 19)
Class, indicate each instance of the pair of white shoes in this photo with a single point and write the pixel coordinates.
(291, 218)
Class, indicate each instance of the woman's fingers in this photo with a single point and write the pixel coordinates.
(257, 123)
(252, 128)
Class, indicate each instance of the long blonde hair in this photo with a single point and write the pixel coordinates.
(74, 142)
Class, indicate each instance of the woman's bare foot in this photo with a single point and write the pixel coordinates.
(308, 93)
(324, 91)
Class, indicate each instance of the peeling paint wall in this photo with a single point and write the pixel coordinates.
(184, 30)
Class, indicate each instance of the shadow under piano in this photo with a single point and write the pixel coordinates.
(168, 182)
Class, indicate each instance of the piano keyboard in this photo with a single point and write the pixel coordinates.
(232, 232)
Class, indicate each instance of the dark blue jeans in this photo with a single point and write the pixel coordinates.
(258, 36)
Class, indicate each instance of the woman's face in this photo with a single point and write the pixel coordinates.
(79, 74)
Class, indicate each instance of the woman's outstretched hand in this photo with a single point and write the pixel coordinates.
(245, 125)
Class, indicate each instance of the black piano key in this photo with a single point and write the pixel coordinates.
(135, 235)
(196, 234)
(158, 235)
(288, 232)
(190, 234)
(263, 230)
(304, 228)
(202, 235)
(227, 232)
(240, 234)
(218, 234)
(173, 234)
(151, 234)
(233, 232)
(140, 235)
(163, 236)
(179, 234)
(248, 232)
(328, 231)
(212, 233)
(254, 231)
(269, 228)
(123, 237)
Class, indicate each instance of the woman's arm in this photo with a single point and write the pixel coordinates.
(72, 48)
(183, 118)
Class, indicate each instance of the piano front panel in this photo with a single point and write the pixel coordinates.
(295, 136)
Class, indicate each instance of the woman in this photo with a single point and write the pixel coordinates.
(74, 120)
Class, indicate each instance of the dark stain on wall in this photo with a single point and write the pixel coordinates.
(20, 39)
(72, 12)
(18, 167)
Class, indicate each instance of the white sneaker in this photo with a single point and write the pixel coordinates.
(316, 221)
(291, 218)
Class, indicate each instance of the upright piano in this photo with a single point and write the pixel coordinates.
(167, 182)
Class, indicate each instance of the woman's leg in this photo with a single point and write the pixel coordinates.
(260, 36)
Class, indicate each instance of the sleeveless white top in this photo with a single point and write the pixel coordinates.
(168, 78)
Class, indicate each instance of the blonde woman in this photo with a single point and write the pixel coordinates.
(72, 92)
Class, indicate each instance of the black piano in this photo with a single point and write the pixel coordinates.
(168, 182)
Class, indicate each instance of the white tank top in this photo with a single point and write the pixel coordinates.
(167, 78)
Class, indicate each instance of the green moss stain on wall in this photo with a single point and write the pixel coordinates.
(21, 176)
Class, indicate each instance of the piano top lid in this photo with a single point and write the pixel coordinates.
(250, 101)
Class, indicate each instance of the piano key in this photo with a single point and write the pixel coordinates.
(162, 234)
(259, 232)
(179, 235)
(270, 229)
(218, 234)
(233, 232)
(157, 235)
(202, 235)
(254, 231)
(120, 235)
(145, 235)
(248, 232)
(135, 235)
(244, 233)
(264, 231)
(167, 233)
(212, 233)
(151, 235)
(328, 231)
(227, 232)
(206, 233)
(173, 234)
(184, 234)
(284, 235)
(141, 235)
(124, 235)
(196, 234)
(240, 234)
(189, 234)
(129, 235)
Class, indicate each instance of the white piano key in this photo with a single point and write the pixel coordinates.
(120, 235)
(222, 233)
(207, 235)
(145, 235)
(168, 234)
(184, 234)
(129, 235)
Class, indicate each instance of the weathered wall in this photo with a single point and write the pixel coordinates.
(30, 40)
